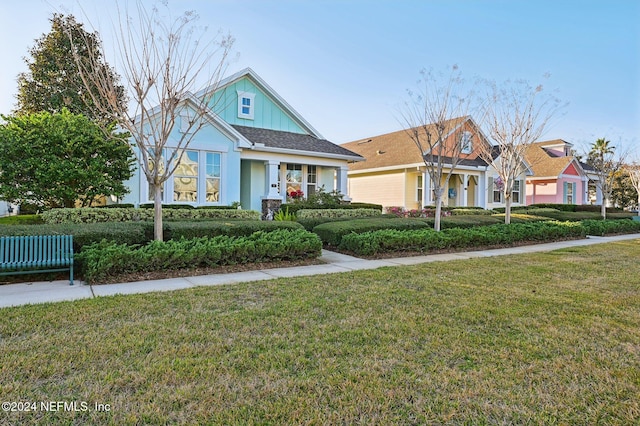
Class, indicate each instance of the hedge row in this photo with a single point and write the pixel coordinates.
(336, 213)
(98, 262)
(93, 215)
(295, 207)
(142, 232)
(331, 233)
(425, 240)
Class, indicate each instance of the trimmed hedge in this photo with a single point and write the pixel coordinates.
(235, 228)
(142, 232)
(337, 213)
(425, 240)
(100, 261)
(606, 227)
(332, 233)
(295, 207)
(93, 215)
(22, 219)
(88, 233)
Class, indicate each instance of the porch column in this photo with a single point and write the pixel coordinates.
(341, 182)
(482, 191)
(465, 186)
(426, 189)
(272, 179)
(272, 200)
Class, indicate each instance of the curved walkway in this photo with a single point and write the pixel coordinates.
(56, 291)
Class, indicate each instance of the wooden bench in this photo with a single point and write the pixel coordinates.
(36, 254)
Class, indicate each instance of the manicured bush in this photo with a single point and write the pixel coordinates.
(425, 240)
(605, 227)
(93, 215)
(23, 219)
(467, 211)
(233, 228)
(331, 233)
(100, 261)
(88, 233)
(336, 213)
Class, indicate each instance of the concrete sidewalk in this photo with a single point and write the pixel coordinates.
(56, 291)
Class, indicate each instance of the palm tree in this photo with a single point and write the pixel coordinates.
(601, 159)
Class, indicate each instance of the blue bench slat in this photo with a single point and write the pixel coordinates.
(27, 254)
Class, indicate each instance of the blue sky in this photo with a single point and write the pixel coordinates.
(346, 65)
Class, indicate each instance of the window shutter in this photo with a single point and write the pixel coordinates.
(565, 189)
(491, 187)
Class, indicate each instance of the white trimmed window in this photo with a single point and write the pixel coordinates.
(465, 143)
(515, 194)
(246, 105)
(185, 178)
(312, 180)
(419, 187)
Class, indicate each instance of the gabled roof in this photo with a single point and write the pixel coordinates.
(545, 164)
(397, 149)
(279, 100)
(272, 140)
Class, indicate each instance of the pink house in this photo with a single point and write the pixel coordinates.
(558, 177)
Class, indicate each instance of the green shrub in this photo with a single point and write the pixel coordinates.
(234, 228)
(337, 213)
(100, 261)
(425, 240)
(88, 233)
(23, 219)
(466, 211)
(284, 215)
(331, 233)
(605, 227)
(93, 215)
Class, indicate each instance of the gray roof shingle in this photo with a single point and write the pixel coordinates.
(293, 141)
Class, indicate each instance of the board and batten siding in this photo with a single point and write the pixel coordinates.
(387, 189)
(267, 113)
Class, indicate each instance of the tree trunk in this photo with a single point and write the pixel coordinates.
(638, 202)
(603, 208)
(507, 210)
(157, 213)
(436, 220)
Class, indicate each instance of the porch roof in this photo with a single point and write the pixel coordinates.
(295, 142)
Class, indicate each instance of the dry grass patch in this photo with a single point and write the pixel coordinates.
(536, 339)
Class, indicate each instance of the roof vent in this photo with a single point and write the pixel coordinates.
(380, 152)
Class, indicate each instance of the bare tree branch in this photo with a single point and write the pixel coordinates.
(164, 63)
(514, 115)
(429, 119)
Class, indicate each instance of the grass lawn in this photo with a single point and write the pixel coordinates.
(548, 338)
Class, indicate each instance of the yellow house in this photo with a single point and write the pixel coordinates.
(394, 171)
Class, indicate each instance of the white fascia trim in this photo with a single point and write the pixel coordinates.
(481, 169)
(266, 88)
(307, 153)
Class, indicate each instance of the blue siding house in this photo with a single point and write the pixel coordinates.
(255, 149)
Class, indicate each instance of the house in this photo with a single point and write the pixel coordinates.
(558, 177)
(254, 149)
(394, 172)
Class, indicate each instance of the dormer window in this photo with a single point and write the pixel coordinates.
(465, 143)
(246, 105)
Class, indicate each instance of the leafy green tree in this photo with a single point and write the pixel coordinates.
(53, 81)
(54, 160)
(606, 163)
(624, 194)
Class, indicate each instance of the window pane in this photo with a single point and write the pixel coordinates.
(185, 178)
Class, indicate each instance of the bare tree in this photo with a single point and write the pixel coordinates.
(429, 119)
(606, 162)
(514, 115)
(163, 64)
(634, 174)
